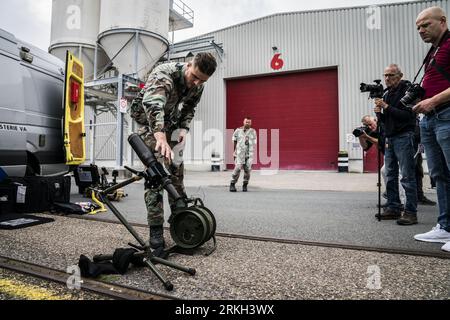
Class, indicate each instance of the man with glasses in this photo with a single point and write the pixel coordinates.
(165, 125)
(399, 126)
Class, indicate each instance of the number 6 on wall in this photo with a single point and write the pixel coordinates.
(277, 63)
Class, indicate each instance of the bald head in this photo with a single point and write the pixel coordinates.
(395, 68)
(432, 24)
(370, 122)
(434, 13)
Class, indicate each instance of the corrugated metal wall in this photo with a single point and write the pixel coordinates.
(315, 39)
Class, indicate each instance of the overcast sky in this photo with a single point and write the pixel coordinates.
(30, 20)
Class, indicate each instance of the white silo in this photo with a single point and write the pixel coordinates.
(134, 33)
(75, 26)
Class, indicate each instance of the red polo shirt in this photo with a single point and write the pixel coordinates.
(434, 82)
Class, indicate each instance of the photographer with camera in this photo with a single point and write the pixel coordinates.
(368, 136)
(399, 124)
(435, 125)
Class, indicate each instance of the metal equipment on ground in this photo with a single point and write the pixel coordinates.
(192, 224)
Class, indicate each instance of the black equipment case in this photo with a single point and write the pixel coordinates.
(86, 176)
(40, 193)
(7, 197)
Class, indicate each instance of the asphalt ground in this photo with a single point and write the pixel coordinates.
(239, 269)
(297, 212)
(322, 207)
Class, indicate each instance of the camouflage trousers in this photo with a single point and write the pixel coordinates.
(154, 197)
(237, 172)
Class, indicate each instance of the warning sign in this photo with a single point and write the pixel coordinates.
(123, 105)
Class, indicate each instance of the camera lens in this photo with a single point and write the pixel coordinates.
(413, 93)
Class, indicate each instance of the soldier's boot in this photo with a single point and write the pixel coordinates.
(233, 187)
(244, 187)
(156, 237)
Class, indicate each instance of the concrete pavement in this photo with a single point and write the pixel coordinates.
(309, 206)
(296, 180)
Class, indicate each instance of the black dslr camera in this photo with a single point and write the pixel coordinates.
(361, 130)
(375, 90)
(414, 92)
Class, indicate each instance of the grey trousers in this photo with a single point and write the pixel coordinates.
(237, 173)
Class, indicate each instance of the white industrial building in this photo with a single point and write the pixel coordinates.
(298, 76)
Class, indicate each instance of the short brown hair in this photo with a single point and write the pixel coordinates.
(206, 63)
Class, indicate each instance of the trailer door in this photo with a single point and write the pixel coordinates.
(73, 126)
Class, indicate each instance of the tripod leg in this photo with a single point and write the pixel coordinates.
(173, 265)
(380, 140)
(379, 185)
(124, 221)
(167, 284)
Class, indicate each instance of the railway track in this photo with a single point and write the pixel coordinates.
(114, 291)
(399, 251)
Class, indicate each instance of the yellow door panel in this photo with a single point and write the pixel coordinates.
(74, 131)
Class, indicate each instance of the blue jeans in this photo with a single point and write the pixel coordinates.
(399, 154)
(435, 136)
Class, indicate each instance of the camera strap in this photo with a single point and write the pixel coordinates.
(431, 60)
(440, 70)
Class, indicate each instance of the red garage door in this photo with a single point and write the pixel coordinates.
(303, 106)
(371, 160)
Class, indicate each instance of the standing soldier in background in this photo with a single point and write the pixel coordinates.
(244, 139)
(165, 125)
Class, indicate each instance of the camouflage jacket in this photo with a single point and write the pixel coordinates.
(245, 146)
(157, 105)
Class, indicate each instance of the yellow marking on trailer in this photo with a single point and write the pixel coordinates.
(18, 289)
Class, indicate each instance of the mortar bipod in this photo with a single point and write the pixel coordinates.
(150, 259)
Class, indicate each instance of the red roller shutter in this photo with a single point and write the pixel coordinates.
(303, 106)
(371, 160)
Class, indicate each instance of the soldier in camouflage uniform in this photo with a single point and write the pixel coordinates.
(244, 149)
(165, 124)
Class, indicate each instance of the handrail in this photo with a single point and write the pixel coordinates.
(181, 8)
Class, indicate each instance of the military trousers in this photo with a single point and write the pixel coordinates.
(237, 172)
(154, 197)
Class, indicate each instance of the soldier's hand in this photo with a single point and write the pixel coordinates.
(162, 146)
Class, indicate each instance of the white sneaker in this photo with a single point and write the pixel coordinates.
(446, 247)
(435, 235)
